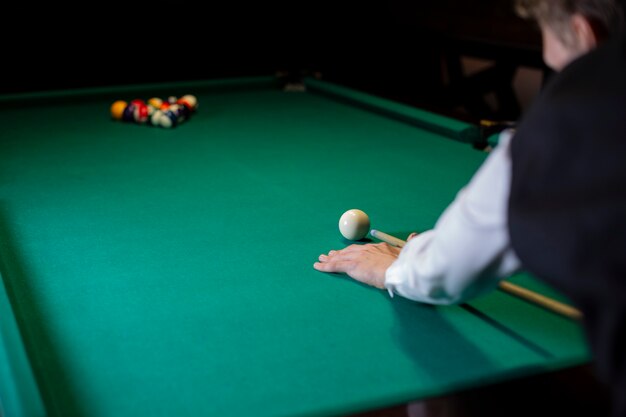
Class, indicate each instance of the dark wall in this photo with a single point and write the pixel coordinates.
(395, 49)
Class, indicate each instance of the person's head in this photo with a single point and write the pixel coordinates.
(571, 28)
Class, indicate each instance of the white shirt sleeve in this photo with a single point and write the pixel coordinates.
(469, 250)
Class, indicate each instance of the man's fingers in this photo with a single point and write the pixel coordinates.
(335, 266)
(338, 256)
(350, 249)
(355, 249)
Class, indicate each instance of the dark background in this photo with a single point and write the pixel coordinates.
(403, 50)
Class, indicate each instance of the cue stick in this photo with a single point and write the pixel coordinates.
(513, 289)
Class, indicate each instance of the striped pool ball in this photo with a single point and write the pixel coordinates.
(191, 101)
(141, 113)
(155, 102)
(168, 119)
(185, 112)
(155, 118)
(151, 110)
(179, 111)
(138, 102)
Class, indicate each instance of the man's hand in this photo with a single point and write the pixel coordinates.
(364, 263)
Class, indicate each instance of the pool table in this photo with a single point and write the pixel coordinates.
(169, 272)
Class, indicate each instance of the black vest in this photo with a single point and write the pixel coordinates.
(567, 209)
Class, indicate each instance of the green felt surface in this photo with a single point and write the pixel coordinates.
(169, 272)
(19, 395)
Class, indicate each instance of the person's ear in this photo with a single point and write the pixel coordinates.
(582, 29)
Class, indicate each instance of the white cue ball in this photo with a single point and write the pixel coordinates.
(354, 224)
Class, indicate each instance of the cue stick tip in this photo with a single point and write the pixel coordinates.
(392, 240)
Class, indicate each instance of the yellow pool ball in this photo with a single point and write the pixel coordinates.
(117, 109)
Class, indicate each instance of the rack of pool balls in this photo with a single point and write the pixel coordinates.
(156, 112)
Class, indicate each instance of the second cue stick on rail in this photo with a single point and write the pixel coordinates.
(513, 289)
